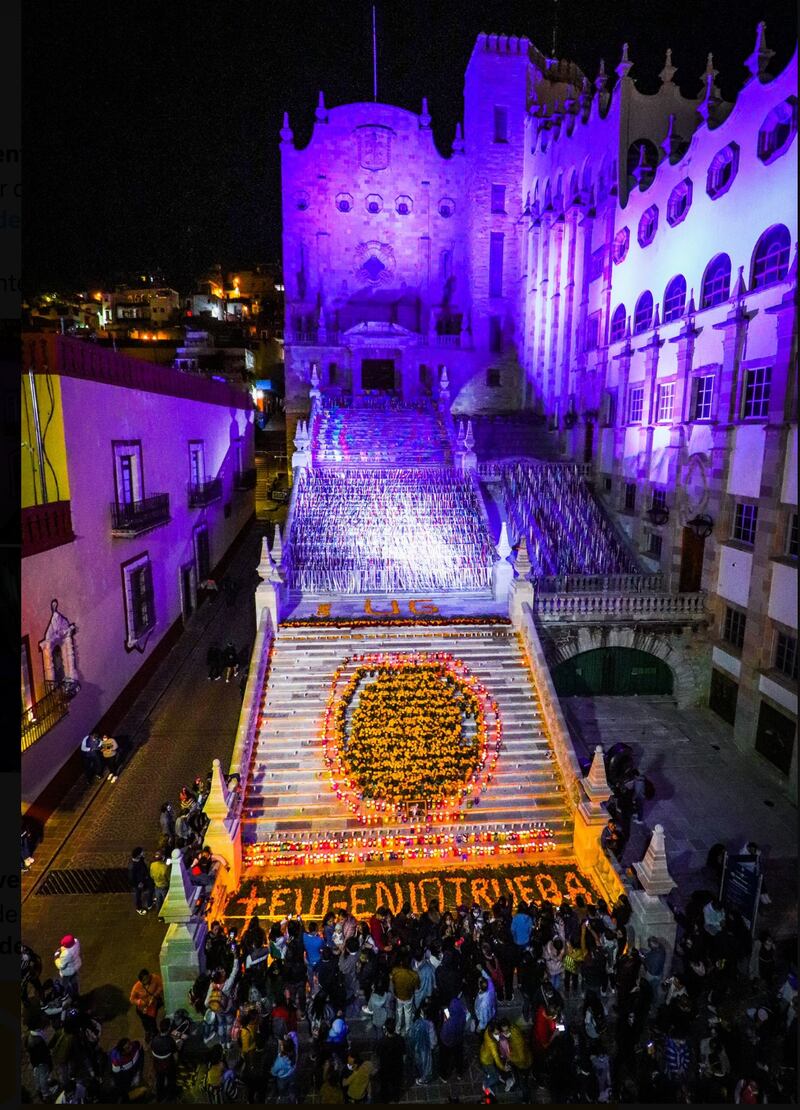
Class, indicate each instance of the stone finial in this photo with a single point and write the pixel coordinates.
(217, 804)
(758, 61)
(669, 70)
(642, 173)
(628, 331)
(652, 871)
(265, 562)
(503, 545)
(458, 141)
(585, 99)
(444, 382)
(691, 308)
(425, 116)
(523, 564)
(712, 73)
(469, 438)
(625, 65)
(601, 80)
(741, 286)
(277, 547)
(707, 107)
(656, 317)
(595, 783)
(321, 112)
(179, 905)
(671, 142)
(461, 433)
(314, 371)
(286, 132)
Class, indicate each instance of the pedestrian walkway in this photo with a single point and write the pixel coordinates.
(177, 726)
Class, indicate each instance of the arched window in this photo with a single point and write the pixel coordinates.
(675, 299)
(618, 323)
(643, 315)
(771, 257)
(716, 281)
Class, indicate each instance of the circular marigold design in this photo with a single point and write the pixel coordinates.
(409, 734)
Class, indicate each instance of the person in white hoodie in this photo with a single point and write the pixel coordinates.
(68, 964)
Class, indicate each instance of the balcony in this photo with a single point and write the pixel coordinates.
(134, 517)
(203, 493)
(40, 717)
(45, 527)
(629, 607)
(245, 479)
(452, 341)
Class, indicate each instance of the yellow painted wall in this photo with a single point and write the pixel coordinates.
(51, 421)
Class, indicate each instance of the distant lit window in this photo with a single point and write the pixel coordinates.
(771, 257)
(344, 202)
(635, 404)
(722, 171)
(745, 518)
(403, 205)
(716, 282)
(755, 402)
(675, 299)
(786, 655)
(498, 198)
(679, 203)
(447, 207)
(778, 130)
(643, 314)
(630, 497)
(703, 397)
(618, 323)
(648, 225)
(733, 626)
(665, 399)
(620, 245)
(493, 377)
(501, 125)
(373, 203)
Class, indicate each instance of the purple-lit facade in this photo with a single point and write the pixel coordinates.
(624, 264)
(151, 465)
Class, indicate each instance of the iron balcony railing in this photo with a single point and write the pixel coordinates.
(133, 517)
(245, 479)
(40, 717)
(46, 526)
(203, 493)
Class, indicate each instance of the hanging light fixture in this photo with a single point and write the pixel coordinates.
(702, 525)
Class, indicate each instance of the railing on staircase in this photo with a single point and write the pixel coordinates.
(599, 583)
(492, 470)
(242, 757)
(555, 608)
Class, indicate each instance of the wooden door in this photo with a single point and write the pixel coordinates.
(692, 552)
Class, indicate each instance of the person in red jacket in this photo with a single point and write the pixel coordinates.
(545, 1028)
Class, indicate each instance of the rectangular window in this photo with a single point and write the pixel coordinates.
(593, 332)
(630, 497)
(596, 263)
(654, 544)
(332, 372)
(501, 125)
(197, 467)
(745, 518)
(791, 536)
(609, 408)
(128, 473)
(202, 553)
(140, 610)
(786, 655)
(498, 198)
(635, 404)
(733, 627)
(495, 335)
(665, 398)
(658, 499)
(755, 402)
(493, 377)
(703, 394)
(496, 244)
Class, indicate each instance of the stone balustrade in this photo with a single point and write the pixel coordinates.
(599, 584)
(568, 607)
(242, 757)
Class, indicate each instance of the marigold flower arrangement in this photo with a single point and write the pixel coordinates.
(407, 734)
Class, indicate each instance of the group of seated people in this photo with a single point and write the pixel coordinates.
(387, 531)
(566, 530)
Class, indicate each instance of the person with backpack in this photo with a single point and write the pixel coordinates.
(220, 1006)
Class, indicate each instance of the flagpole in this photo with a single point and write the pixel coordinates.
(374, 59)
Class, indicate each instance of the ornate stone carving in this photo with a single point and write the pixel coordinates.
(374, 147)
(374, 262)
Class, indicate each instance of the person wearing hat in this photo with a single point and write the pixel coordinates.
(68, 964)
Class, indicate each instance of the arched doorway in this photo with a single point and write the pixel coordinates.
(612, 670)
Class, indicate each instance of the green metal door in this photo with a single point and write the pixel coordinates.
(612, 670)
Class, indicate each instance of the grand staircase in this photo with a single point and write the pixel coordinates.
(288, 797)
(355, 437)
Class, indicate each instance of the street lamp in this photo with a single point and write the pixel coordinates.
(702, 525)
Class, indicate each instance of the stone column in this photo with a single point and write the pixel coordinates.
(651, 916)
(521, 590)
(268, 591)
(502, 571)
(590, 815)
(469, 460)
(223, 835)
(181, 955)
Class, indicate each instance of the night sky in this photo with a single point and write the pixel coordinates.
(151, 129)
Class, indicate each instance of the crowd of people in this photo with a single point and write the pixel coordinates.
(567, 531)
(387, 531)
(517, 999)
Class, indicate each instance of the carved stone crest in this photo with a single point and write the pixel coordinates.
(374, 262)
(374, 147)
(694, 488)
